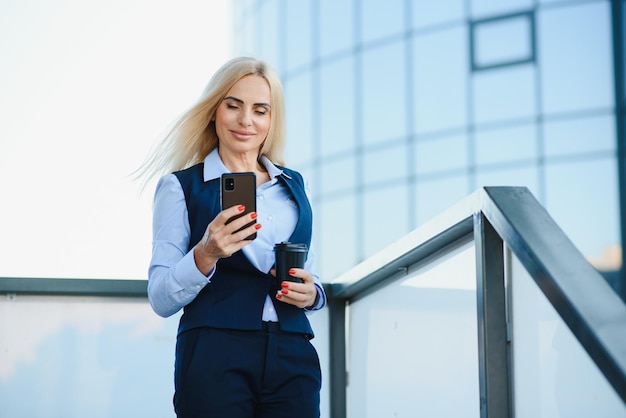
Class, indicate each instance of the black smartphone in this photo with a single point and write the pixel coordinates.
(239, 189)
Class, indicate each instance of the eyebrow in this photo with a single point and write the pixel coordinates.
(241, 101)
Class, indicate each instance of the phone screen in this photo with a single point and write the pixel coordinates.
(239, 189)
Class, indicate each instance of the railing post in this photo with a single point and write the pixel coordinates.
(337, 352)
(493, 358)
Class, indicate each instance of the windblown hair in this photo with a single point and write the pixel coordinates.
(193, 135)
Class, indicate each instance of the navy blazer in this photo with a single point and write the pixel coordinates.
(235, 296)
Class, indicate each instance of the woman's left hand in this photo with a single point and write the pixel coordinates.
(302, 295)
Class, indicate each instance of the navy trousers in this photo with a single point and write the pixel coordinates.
(221, 373)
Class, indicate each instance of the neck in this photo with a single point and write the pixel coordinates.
(241, 162)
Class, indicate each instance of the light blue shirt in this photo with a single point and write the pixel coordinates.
(174, 279)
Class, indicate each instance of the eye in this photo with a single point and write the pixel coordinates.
(261, 112)
(231, 106)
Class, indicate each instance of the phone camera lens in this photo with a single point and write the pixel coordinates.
(230, 184)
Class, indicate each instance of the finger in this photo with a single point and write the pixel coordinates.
(301, 274)
(301, 300)
(246, 221)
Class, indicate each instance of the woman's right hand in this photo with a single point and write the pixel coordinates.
(220, 240)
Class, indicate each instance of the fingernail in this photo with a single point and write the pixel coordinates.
(292, 271)
(285, 284)
(257, 226)
(253, 215)
(241, 208)
(284, 291)
(279, 296)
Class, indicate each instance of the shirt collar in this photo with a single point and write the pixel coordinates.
(214, 167)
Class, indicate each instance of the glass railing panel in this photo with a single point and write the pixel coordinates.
(553, 376)
(412, 346)
(75, 356)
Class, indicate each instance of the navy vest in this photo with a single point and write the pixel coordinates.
(235, 296)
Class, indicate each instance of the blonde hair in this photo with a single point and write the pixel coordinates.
(193, 135)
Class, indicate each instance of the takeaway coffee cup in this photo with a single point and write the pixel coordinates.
(289, 255)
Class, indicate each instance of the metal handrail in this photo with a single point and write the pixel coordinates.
(580, 295)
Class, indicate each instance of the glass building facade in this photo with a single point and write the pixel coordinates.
(399, 109)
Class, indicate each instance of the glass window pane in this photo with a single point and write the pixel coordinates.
(554, 375)
(487, 8)
(388, 163)
(438, 194)
(441, 154)
(336, 29)
(381, 19)
(336, 235)
(338, 175)
(440, 85)
(582, 199)
(75, 357)
(516, 143)
(413, 343)
(575, 54)
(337, 98)
(384, 93)
(299, 39)
(506, 93)
(268, 33)
(580, 136)
(503, 41)
(430, 13)
(385, 215)
(299, 103)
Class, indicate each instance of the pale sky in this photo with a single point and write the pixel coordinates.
(86, 88)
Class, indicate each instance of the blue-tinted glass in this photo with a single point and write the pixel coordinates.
(384, 93)
(298, 104)
(246, 40)
(503, 41)
(337, 106)
(336, 241)
(268, 33)
(441, 154)
(429, 13)
(385, 212)
(488, 8)
(338, 175)
(298, 33)
(336, 31)
(515, 143)
(74, 357)
(388, 163)
(380, 19)
(438, 194)
(575, 54)
(440, 80)
(580, 136)
(506, 93)
(524, 176)
(582, 199)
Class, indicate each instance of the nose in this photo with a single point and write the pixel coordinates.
(245, 118)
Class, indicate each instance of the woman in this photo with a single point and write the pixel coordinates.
(243, 345)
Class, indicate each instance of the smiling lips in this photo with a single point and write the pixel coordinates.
(242, 134)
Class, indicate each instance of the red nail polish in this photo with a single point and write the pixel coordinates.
(285, 284)
(241, 208)
(284, 291)
(253, 215)
(257, 226)
(292, 271)
(279, 296)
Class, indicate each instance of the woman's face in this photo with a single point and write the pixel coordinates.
(243, 119)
